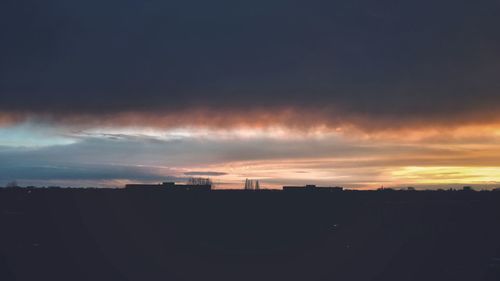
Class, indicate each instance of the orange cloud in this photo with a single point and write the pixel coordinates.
(307, 119)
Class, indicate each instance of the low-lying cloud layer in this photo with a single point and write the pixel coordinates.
(330, 159)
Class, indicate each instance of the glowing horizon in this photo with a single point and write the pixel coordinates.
(276, 155)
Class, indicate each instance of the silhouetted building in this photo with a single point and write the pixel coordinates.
(385, 189)
(144, 186)
(205, 187)
(170, 186)
(313, 187)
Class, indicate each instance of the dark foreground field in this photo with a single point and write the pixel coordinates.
(229, 235)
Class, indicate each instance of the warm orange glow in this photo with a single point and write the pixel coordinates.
(419, 156)
(308, 150)
(447, 175)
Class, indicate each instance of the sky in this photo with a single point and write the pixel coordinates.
(355, 93)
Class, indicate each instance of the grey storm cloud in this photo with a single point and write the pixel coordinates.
(355, 58)
(76, 172)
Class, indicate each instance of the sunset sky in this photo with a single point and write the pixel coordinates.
(355, 93)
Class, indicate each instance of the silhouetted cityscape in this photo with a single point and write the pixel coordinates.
(172, 231)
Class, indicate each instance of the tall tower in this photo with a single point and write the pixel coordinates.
(252, 184)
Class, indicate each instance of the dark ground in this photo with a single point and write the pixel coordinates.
(78, 234)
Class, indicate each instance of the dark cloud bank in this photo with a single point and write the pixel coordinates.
(349, 60)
